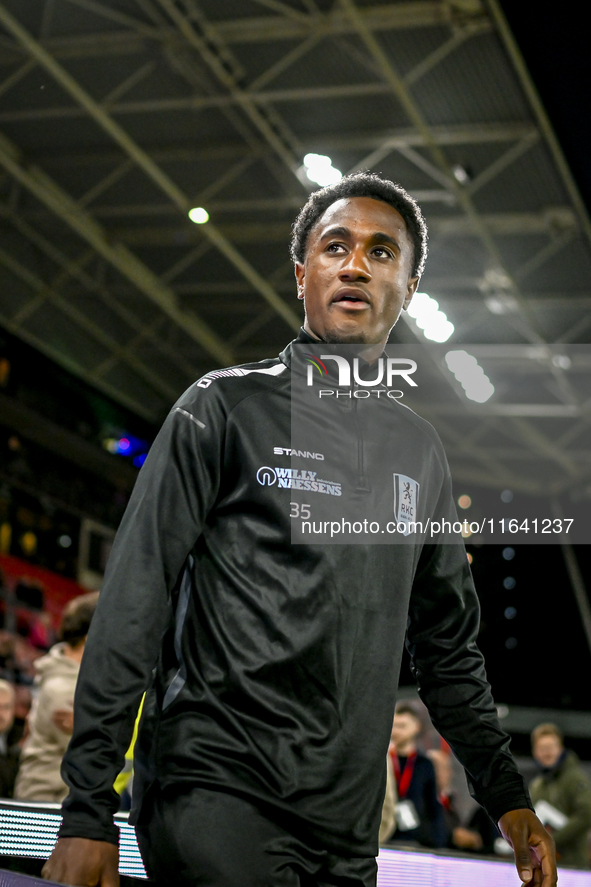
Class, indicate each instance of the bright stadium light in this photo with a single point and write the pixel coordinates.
(319, 169)
(470, 375)
(199, 215)
(426, 314)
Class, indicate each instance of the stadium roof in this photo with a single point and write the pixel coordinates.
(119, 116)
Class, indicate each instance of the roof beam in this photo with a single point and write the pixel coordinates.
(386, 17)
(149, 283)
(57, 200)
(225, 68)
(562, 237)
(552, 220)
(93, 284)
(540, 113)
(540, 445)
(559, 223)
(407, 102)
(16, 76)
(200, 102)
(493, 469)
(502, 162)
(255, 29)
(67, 307)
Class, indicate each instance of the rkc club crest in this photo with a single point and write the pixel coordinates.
(406, 502)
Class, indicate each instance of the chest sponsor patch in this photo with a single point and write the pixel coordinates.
(406, 501)
(297, 479)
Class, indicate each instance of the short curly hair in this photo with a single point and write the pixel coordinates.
(362, 184)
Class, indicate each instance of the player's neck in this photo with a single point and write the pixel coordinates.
(368, 352)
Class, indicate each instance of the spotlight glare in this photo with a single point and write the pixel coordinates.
(470, 375)
(429, 318)
(199, 215)
(319, 169)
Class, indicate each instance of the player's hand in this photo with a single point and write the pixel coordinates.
(83, 862)
(535, 855)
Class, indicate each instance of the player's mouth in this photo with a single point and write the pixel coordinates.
(351, 298)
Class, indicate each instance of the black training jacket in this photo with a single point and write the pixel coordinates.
(272, 662)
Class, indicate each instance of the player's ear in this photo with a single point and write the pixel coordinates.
(300, 273)
(411, 288)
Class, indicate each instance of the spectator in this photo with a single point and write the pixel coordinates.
(9, 751)
(51, 717)
(17, 656)
(419, 814)
(564, 786)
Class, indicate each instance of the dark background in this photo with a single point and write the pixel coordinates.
(555, 45)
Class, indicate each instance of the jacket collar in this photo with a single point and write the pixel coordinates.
(296, 353)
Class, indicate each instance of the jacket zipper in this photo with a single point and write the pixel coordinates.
(362, 482)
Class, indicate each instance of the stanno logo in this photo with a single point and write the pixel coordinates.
(303, 454)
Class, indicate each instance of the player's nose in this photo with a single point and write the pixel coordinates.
(355, 266)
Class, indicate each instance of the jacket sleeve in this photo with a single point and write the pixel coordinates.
(175, 490)
(449, 669)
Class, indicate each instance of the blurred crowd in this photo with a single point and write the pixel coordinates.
(37, 683)
(422, 806)
(38, 674)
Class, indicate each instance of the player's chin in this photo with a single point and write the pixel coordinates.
(348, 334)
